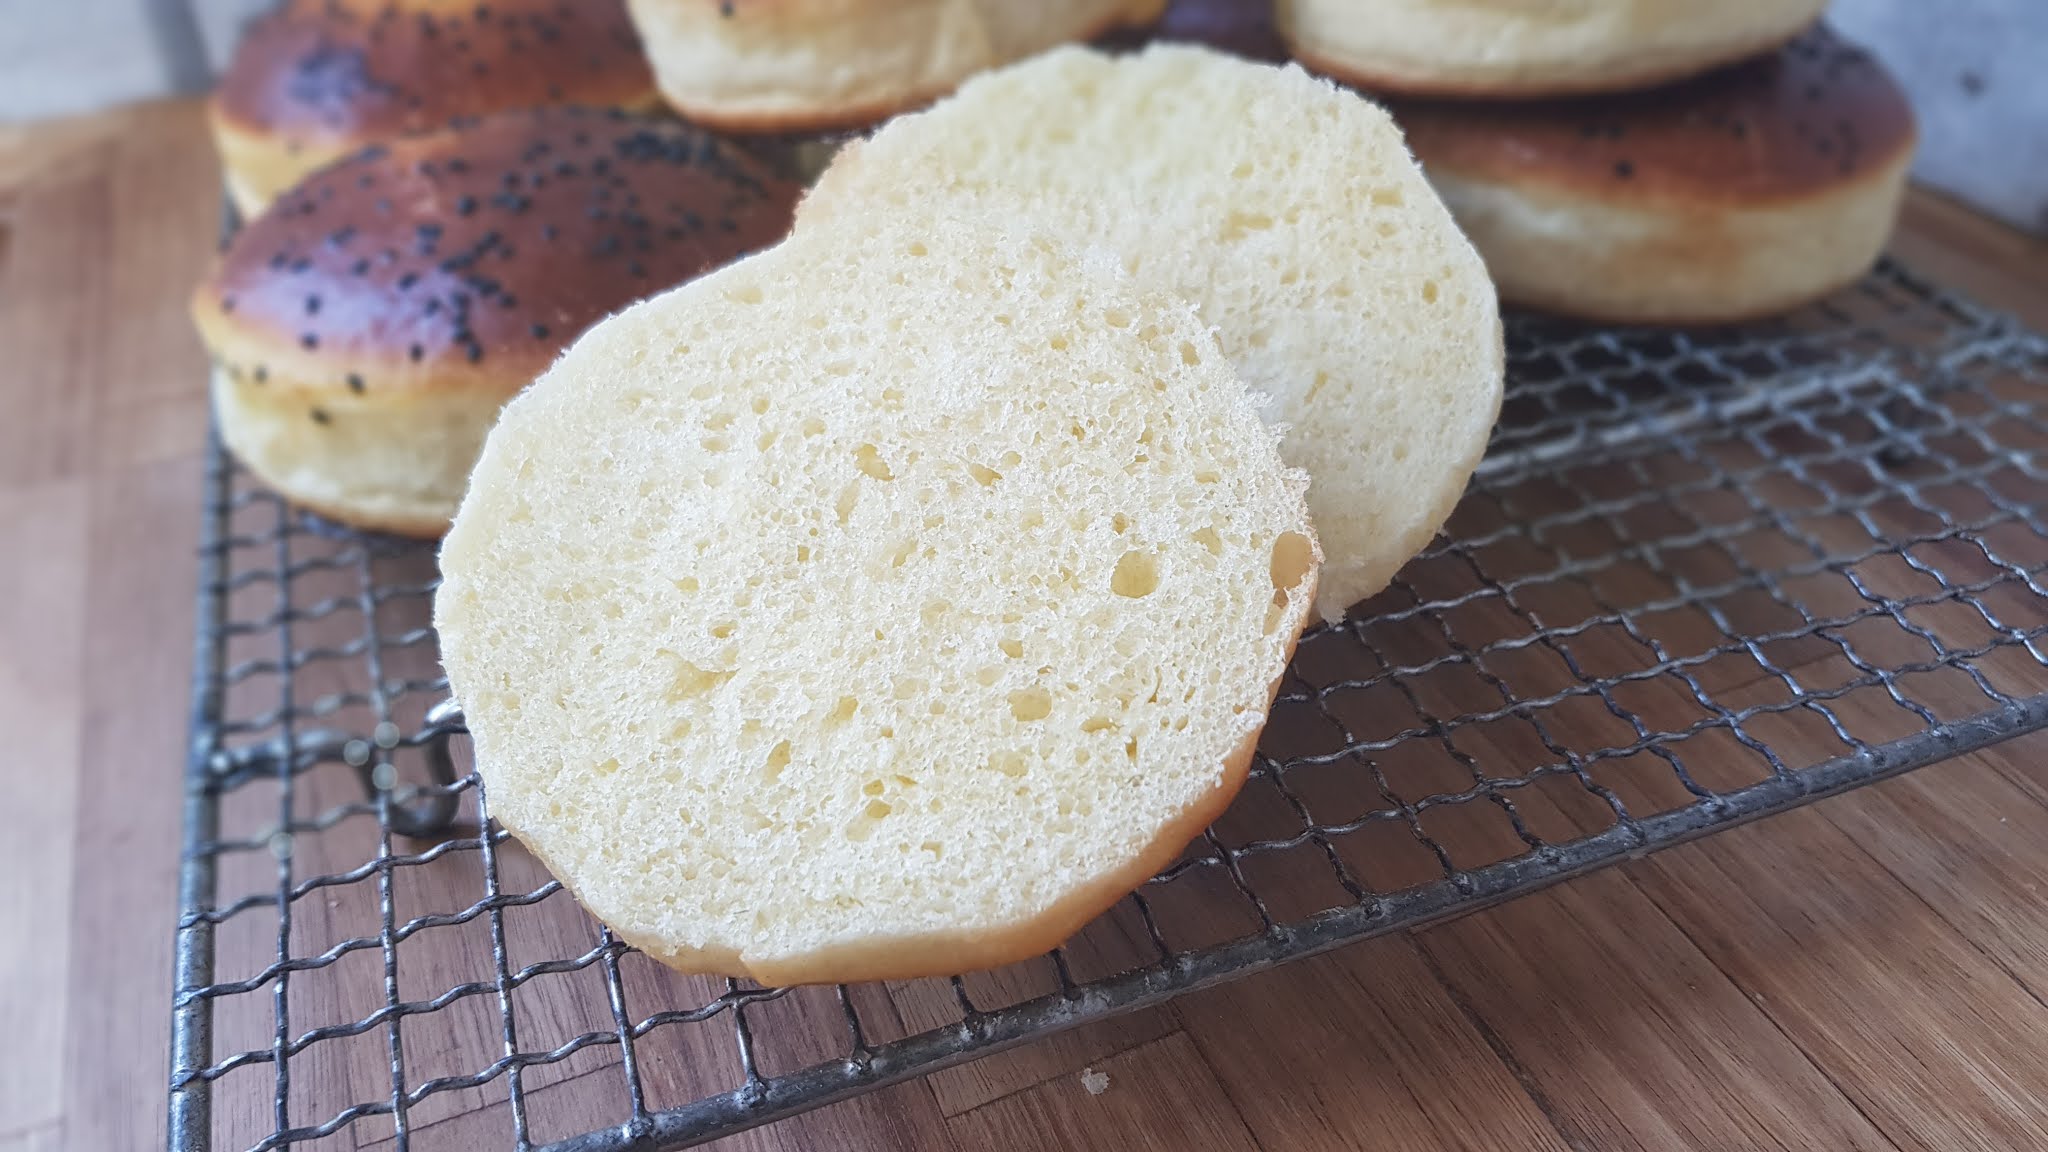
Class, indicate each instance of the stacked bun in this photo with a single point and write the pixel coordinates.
(812, 65)
(1458, 48)
(316, 80)
(1646, 161)
(1741, 194)
(367, 328)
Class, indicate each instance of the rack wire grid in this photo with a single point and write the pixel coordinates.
(1700, 578)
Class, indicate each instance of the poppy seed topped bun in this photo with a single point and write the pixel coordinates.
(319, 79)
(1737, 195)
(817, 65)
(1516, 48)
(368, 327)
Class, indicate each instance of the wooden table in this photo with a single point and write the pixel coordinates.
(1869, 973)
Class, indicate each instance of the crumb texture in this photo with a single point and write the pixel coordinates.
(1290, 213)
(885, 604)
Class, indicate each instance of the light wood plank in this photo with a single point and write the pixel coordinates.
(140, 231)
(42, 619)
(48, 1138)
(130, 774)
(54, 296)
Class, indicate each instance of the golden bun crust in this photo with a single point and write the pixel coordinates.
(1458, 48)
(318, 79)
(794, 66)
(1735, 195)
(389, 304)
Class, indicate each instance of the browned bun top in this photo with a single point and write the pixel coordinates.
(356, 71)
(1817, 114)
(482, 250)
(1243, 27)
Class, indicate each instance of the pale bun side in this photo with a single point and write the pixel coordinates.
(1459, 49)
(816, 65)
(1700, 264)
(886, 605)
(397, 464)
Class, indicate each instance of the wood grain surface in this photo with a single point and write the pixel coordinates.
(1868, 973)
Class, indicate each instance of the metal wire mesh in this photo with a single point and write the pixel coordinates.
(1700, 578)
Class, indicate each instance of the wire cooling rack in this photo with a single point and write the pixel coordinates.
(1699, 579)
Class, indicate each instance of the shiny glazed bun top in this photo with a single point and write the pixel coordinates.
(318, 78)
(476, 253)
(1807, 118)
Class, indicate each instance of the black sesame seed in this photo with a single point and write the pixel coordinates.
(309, 341)
(416, 353)
(1624, 169)
(313, 305)
(262, 374)
(355, 383)
(540, 331)
(319, 416)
